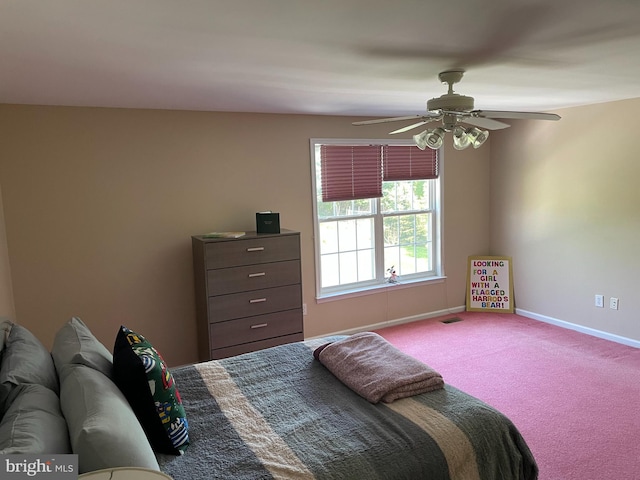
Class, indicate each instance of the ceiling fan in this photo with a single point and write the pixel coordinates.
(456, 113)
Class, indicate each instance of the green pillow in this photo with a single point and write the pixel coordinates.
(24, 361)
(33, 423)
(143, 377)
(103, 429)
(74, 344)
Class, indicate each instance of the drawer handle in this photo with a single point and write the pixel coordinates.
(260, 325)
(257, 300)
(253, 275)
(255, 249)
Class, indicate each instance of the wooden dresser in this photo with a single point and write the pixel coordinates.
(248, 292)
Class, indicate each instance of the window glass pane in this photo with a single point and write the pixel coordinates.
(388, 200)
(330, 270)
(366, 265)
(347, 235)
(328, 237)
(407, 260)
(365, 233)
(423, 257)
(421, 197)
(391, 233)
(404, 196)
(363, 206)
(426, 260)
(422, 229)
(346, 208)
(343, 208)
(391, 259)
(406, 229)
(325, 209)
(409, 237)
(348, 267)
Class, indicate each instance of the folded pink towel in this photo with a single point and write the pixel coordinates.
(375, 369)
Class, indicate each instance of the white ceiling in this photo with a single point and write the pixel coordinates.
(344, 57)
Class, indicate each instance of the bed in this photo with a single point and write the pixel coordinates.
(275, 413)
(278, 413)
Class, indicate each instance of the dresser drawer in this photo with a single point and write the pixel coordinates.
(252, 329)
(252, 277)
(256, 302)
(235, 253)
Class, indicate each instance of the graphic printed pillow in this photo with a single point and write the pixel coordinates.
(144, 379)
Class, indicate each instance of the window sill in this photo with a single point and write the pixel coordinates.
(373, 289)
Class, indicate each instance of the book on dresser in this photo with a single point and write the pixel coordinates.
(248, 292)
(224, 234)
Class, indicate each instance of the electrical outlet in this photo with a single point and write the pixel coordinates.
(599, 301)
(613, 303)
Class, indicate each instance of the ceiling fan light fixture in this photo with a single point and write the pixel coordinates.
(434, 138)
(460, 139)
(476, 136)
(431, 138)
(421, 139)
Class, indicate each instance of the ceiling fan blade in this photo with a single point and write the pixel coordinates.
(385, 120)
(520, 115)
(411, 127)
(482, 122)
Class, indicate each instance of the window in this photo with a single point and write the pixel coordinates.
(377, 211)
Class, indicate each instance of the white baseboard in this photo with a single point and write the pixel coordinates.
(390, 323)
(579, 328)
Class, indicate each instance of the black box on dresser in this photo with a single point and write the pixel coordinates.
(248, 292)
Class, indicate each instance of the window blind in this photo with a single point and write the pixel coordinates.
(408, 162)
(350, 172)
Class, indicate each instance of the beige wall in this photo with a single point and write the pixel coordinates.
(100, 204)
(565, 203)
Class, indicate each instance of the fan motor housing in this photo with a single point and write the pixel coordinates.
(451, 102)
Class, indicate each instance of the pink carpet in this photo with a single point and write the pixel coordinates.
(575, 398)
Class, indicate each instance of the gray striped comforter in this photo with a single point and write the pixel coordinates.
(278, 413)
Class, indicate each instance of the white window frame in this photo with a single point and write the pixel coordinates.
(365, 288)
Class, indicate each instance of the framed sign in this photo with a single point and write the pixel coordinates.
(489, 284)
